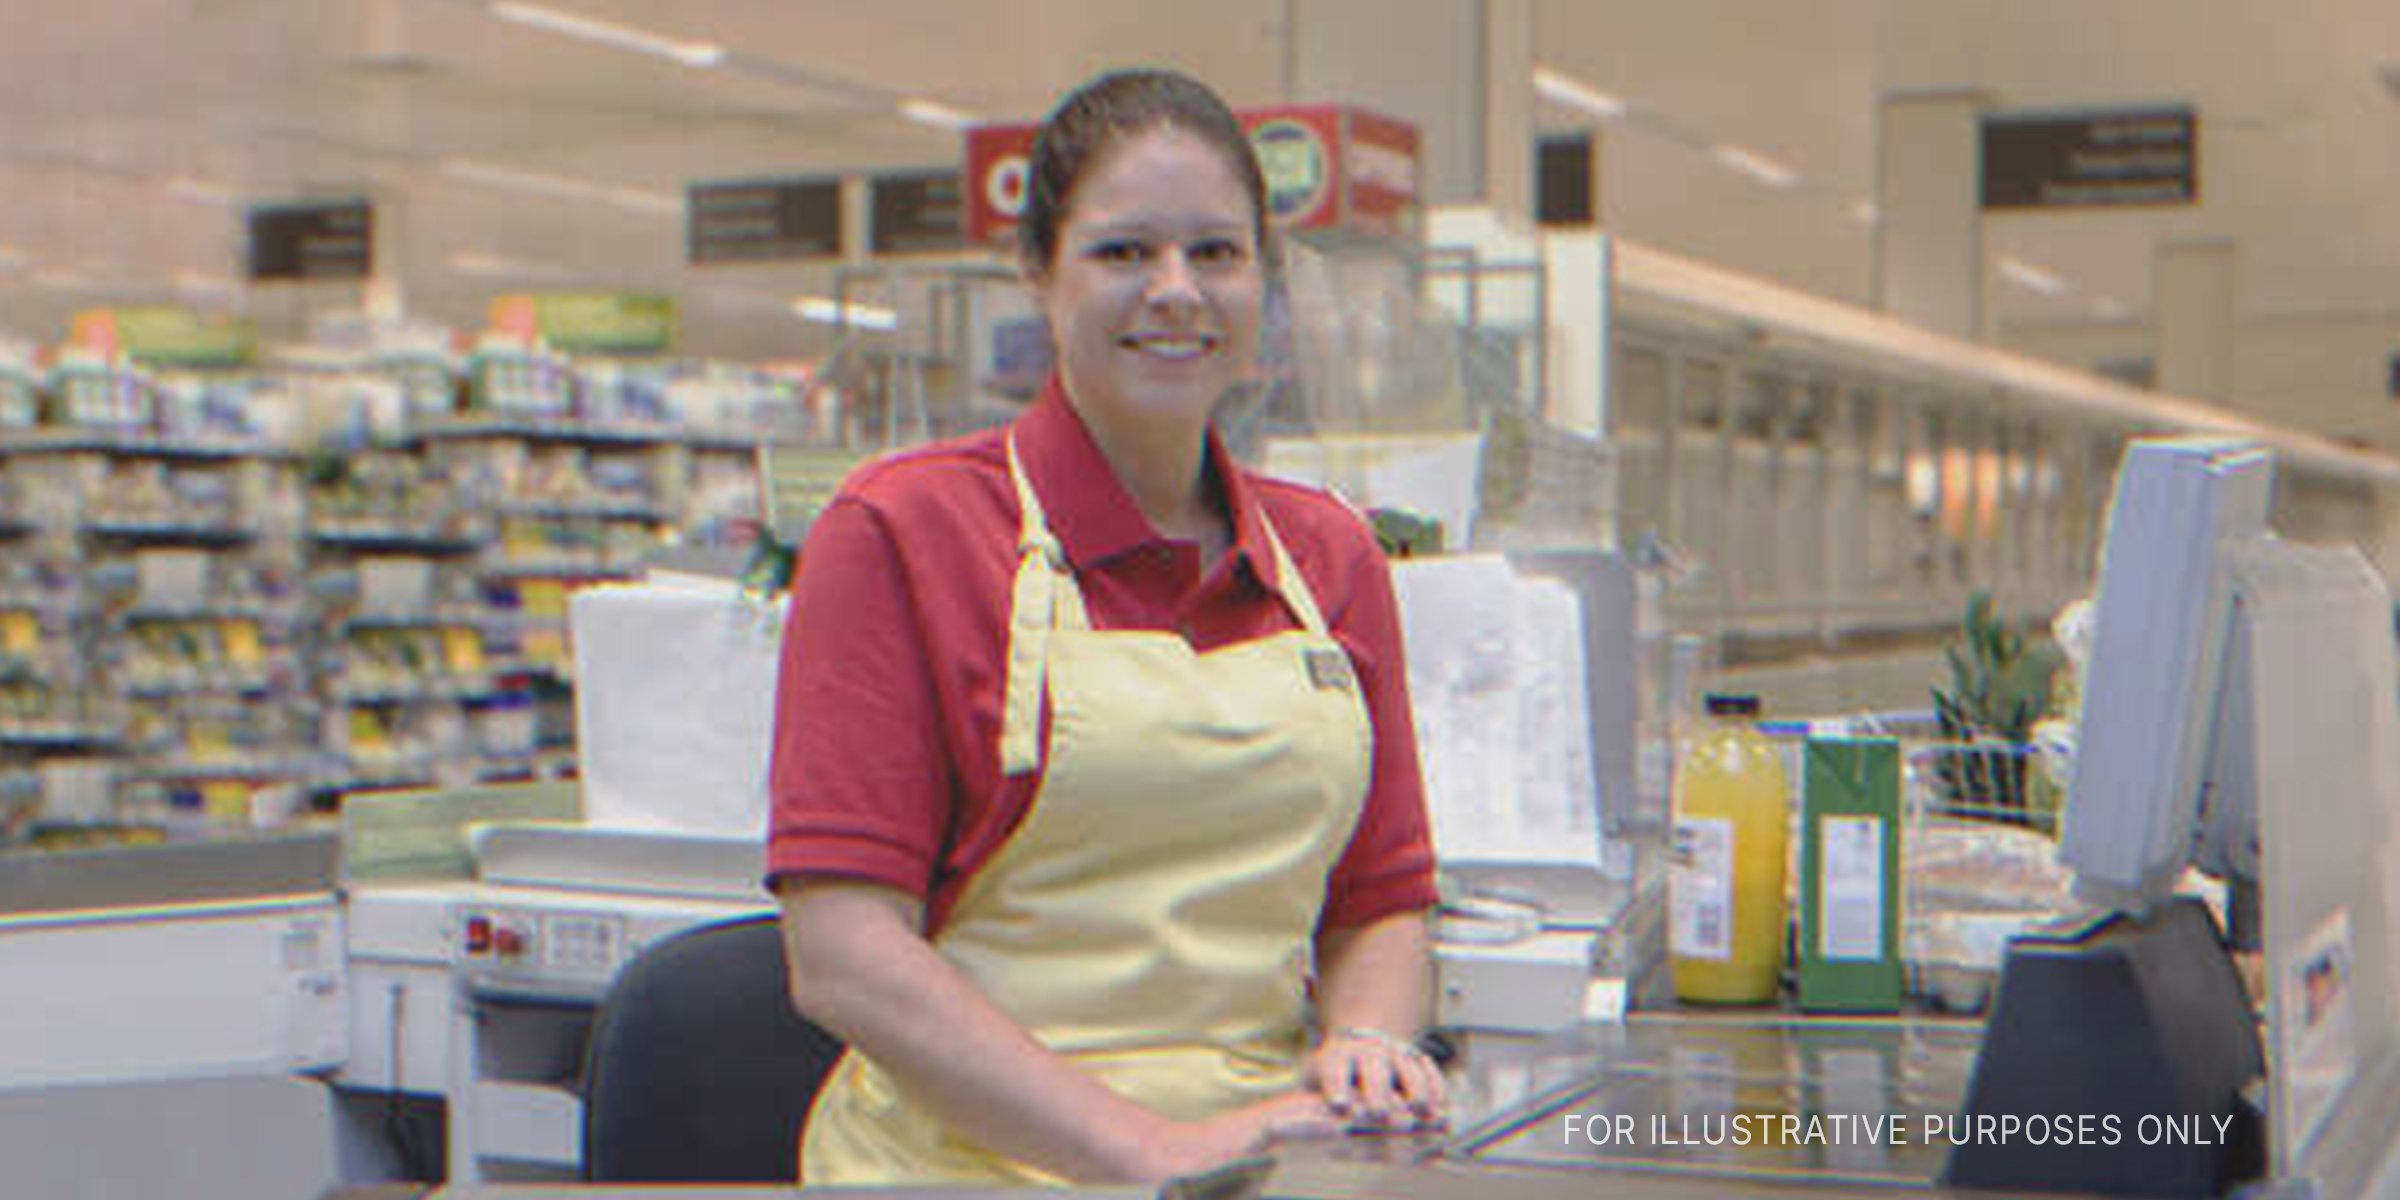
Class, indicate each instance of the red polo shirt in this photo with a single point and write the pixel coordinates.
(887, 745)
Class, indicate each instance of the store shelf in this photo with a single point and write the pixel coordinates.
(169, 533)
(392, 540)
(559, 570)
(63, 737)
(561, 429)
(464, 531)
(169, 689)
(126, 444)
(205, 772)
(418, 620)
(470, 690)
(599, 510)
(260, 614)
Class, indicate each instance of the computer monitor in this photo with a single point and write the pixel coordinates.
(2146, 781)
(2136, 1009)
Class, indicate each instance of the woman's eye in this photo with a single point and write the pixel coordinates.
(1217, 251)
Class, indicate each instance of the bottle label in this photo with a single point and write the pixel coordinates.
(1850, 889)
(1700, 889)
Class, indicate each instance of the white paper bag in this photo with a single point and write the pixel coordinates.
(675, 706)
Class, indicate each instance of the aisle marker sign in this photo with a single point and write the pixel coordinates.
(763, 220)
(2102, 158)
(1328, 167)
(312, 242)
(914, 212)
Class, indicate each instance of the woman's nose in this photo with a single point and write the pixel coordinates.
(1172, 280)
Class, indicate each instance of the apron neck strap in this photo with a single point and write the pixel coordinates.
(1288, 582)
(1046, 597)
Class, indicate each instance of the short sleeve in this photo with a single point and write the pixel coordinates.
(859, 784)
(1388, 867)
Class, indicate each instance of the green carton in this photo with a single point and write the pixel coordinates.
(1849, 951)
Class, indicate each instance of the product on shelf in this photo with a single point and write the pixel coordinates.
(246, 593)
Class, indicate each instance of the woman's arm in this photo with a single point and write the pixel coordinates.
(1374, 994)
(861, 967)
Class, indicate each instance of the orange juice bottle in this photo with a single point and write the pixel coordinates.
(1725, 937)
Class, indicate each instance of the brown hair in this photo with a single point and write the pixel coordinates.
(1118, 105)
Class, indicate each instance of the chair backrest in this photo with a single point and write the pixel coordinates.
(698, 1069)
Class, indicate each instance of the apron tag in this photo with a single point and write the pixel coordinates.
(1329, 670)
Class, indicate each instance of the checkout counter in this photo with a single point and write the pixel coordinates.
(477, 990)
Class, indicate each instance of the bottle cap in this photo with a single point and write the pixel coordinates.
(1722, 704)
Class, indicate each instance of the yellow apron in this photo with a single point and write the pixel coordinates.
(1152, 917)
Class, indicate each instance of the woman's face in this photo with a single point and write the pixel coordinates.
(1153, 295)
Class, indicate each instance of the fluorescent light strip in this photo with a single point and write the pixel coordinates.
(2032, 278)
(689, 52)
(827, 312)
(493, 266)
(200, 191)
(1755, 165)
(936, 114)
(561, 187)
(1582, 97)
(205, 284)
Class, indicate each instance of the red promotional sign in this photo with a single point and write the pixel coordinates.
(1327, 167)
(995, 183)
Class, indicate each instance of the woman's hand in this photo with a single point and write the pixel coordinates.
(1377, 1080)
(1190, 1147)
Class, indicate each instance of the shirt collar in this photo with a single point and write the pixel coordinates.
(1089, 510)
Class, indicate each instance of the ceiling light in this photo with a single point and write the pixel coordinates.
(197, 282)
(1865, 213)
(690, 53)
(1755, 165)
(562, 187)
(493, 266)
(200, 191)
(827, 312)
(2032, 278)
(1574, 94)
(938, 115)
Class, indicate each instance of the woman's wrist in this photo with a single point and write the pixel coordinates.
(1368, 1033)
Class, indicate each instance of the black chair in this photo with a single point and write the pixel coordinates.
(698, 1070)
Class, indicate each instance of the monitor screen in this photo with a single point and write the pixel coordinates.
(2160, 622)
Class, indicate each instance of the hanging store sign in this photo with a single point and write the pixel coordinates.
(2142, 156)
(998, 171)
(763, 220)
(590, 322)
(1328, 167)
(312, 242)
(166, 336)
(914, 212)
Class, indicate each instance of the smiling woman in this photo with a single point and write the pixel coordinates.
(1093, 765)
(1153, 295)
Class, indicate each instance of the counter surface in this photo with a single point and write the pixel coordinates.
(1513, 1097)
